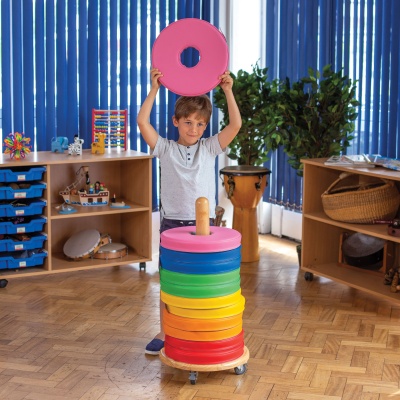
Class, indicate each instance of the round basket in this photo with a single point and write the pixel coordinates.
(349, 200)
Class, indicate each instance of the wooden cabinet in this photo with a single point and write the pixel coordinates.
(128, 174)
(321, 235)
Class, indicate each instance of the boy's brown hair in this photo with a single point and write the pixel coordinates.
(201, 105)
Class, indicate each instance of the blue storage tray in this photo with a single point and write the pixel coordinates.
(35, 190)
(33, 225)
(22, 175)
(36, 241)
(31, 208)
(17, 260)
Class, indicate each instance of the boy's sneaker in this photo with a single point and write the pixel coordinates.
(154, 347)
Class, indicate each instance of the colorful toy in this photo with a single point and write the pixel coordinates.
(98, 147)
(17, 145)
(59, 143)
(190, 33)
(75, 148)
(111, 123)
(99, 196)
(200, 285)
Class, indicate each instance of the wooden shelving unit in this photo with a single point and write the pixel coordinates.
(321, 235)
(127, 173)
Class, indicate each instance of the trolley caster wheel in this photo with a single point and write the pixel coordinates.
(142, 265)
(193, 377)
(3, 283)
(241, 369)
(308, 276)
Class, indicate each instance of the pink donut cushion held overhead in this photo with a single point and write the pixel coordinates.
(213, 52)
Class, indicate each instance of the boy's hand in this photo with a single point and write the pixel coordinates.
(155, 75)
(226, 81)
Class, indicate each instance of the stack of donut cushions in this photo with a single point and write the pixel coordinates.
(199, 274)
(200, 285)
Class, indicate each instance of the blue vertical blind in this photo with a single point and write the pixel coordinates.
(60, 59)
(359, 36)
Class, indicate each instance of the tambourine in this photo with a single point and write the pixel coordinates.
(85, 244)
(111, 251)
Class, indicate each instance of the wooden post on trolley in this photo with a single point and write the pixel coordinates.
(201, 327)
(202, 216)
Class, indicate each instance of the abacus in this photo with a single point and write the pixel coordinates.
(112, 123)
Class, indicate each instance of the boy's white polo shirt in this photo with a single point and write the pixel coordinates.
(187, 173)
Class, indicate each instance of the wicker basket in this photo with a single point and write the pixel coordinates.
(351, 200)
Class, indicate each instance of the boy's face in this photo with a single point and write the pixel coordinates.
(190, 129)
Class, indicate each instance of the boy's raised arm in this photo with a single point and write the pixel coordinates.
(147, 130)
(235, 120)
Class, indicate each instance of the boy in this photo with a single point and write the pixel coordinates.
(188, 165)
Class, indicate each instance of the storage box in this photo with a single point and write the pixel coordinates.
(14, 210)
(34, 190)
(36, 241)
(21, 175)
(34, 224)
(18, 259)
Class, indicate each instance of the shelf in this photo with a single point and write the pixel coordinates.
(22, 272)
(357, 278)
(127, 174)
(379, 172)
(374, 230)
(61, 264)
(84, 211)
(321, 236)
(48, 157)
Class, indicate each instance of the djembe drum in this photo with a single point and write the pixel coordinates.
(245, 185)
(200, 286)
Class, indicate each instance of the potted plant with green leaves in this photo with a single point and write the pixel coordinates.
(245, 183)
(311, 118)
(316, 116)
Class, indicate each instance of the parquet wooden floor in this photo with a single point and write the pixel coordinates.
(82, 335)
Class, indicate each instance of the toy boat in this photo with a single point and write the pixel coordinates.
(83, 198)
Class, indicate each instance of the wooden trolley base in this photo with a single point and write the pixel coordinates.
(239, 365)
